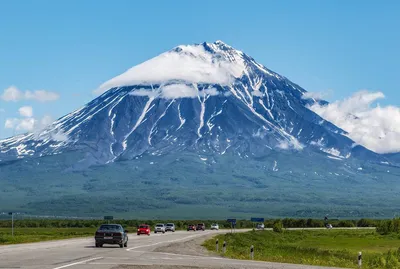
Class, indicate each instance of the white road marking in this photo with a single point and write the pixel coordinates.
(76, 263)
(181, 255)
(170, 241)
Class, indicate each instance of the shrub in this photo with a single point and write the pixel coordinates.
(278, 226)
(388, 226)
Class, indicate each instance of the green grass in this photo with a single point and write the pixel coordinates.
(28, 235)
(336, 248)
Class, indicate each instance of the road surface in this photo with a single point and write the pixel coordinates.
(143, 252)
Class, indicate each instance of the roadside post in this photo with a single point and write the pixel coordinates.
(233, 223)
(252, 252)
(224, 247)
(108, 218)
(216, 244)
(359, 259)
(12, 223)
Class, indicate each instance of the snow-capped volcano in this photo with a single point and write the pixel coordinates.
(206, 98)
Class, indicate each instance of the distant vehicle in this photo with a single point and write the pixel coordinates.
(201, 226)
(260, 226)
(160, 228)
(113, 234)
(329, 226)
(214, 226)
(170, 227)
(191, 227)
(143, 229)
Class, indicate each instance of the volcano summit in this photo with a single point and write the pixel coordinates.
(200, 126)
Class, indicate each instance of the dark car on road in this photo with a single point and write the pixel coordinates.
(201, 227)
(191, 227)
(113, 234)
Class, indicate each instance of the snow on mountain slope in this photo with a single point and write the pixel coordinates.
(207, 98)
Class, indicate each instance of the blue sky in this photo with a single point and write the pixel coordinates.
(71, 47)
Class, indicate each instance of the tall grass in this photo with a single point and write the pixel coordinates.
(27, 235)
(323, 248)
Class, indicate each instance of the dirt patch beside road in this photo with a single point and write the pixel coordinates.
(192, 247)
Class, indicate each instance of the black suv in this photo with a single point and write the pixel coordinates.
(113, 234)
(201, 226)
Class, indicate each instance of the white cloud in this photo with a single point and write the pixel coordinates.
(191, 64)
(59, 136)
(42, 96)
(11, 123)
(178, 91)
(28, 124)
(143, 92)
(316, 95)
(24, 124)
(13, 94)
(376, 128)
(174, 91)
(211, 92)
(45, 121)
(292, 144)
(26, 111)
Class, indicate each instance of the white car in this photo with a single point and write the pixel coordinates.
(260, 226)
(214, 226)
(160, 228)
(329, 226)
(170, 227)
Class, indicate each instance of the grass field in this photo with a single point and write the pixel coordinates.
(336, 248)
(28, 235)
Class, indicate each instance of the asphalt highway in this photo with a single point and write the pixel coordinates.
(140, 253)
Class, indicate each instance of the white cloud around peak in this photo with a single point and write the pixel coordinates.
(13, 94)
(191, 64)
(374, 127)
(174, 91)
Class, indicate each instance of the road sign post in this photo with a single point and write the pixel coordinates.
(252, 252)
(359, 259)
(254, 220)
(12, 223)
(108, 218)
(217, 245)
(224, 247)
(233, 223)
(257, 219)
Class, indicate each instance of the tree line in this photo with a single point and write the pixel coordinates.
(182, 224)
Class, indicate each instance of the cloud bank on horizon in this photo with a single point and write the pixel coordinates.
(374, 127)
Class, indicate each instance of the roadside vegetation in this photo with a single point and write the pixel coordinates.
(27, 235)
(34, 230)
(335, 248)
